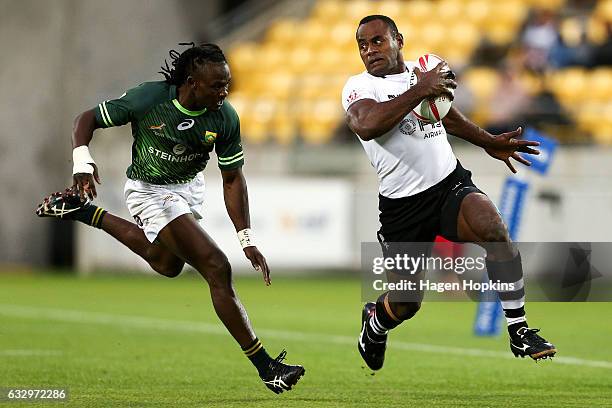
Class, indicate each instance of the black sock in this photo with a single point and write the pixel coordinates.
(256, 352)
(516, 319)
(383, 319)
(513, 302)
(90, 215)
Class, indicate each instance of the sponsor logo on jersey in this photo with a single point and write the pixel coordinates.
(407, 126)
(174, 158)
(157, 127)
(179, 149)
(186, 124)
(209, 137)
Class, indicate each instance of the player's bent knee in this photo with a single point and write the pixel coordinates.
(169, 270)
(497, 233)
(405, 310)
(217, 271)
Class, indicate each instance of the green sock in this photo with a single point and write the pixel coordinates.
(256, 352)
(90, 215)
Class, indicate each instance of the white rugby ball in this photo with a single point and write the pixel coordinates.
(432, 110)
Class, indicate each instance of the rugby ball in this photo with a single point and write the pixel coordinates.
(432, 110)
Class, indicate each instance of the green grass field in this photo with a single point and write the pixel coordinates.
(142, 341)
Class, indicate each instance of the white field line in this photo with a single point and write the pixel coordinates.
(75, 316)
(29, 353)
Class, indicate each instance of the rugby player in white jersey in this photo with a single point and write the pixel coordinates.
(423, 189)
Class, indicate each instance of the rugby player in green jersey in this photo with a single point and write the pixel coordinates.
(176, 124)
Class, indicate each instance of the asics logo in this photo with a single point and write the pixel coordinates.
(186, 124)
(277, 382)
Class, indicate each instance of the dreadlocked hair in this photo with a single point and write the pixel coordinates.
(186, 63)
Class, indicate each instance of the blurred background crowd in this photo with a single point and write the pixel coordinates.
(541, 63)
(544, 63)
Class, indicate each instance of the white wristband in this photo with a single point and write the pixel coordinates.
(82, 160)
(245, 237)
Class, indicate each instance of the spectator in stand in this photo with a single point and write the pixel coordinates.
(603, 53)
(539, 37)
(508, 103)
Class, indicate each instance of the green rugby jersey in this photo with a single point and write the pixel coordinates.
(172, 144)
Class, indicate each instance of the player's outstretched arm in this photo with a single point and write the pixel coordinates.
(502, 147)
(237, 204)
(85, 170)
(370, 119)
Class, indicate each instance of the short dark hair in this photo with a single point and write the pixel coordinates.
(186, 63)
(387, 20)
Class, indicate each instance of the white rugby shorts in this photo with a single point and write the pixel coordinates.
(154, 206)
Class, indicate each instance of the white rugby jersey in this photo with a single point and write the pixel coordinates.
(412, 156)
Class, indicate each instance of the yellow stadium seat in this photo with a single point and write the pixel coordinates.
(391, 8)
(600, 85)
(589, 116)
(478, 11)
(269, 57)
(432, 35)
(571, 31)
(596, 30)
(276, 85)
(243, 56)
(240, 102)
(282, 32)
(511, 12)
(343, 34)
(300, 59)
(569, 85)
(500, 34)
(547, 4)
(462, 35)
(419, 11)
(319, 119)
(602, 133)
(329, 11)
(253, 130)
(312, 32)
(604, 10)
(283, 125)
(531, 83)
(355, 10)
(482, 82)
(447, 11)
(310, 87)
(256, 124)
(328, 60)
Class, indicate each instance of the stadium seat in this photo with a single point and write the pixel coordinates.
(282, 32)
(297, 72)
(482, 82)
(600, 84)
(318, 120)
(355, 10)
(477, 11)
(391, 7)
(328, 11)
(571, 31)
(596, 30)
(569, 85)
(283, 125)
(604, 10)
(448, 12)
